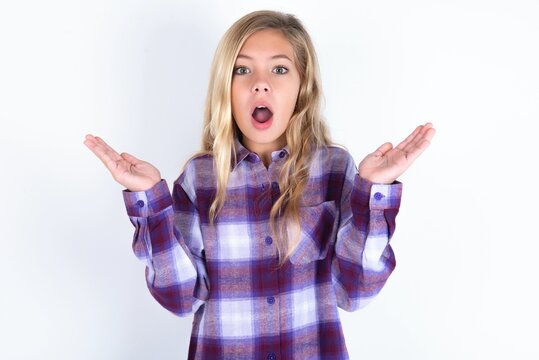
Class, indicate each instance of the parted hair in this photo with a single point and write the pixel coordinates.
(305, 133)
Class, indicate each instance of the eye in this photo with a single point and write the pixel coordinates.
(241, 70)
(281, 70)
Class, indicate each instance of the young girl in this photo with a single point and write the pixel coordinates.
(271, 227)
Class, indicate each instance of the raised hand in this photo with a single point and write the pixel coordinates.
(130, 172)
(386, 164)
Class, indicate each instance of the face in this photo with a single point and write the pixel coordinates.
(265, 86)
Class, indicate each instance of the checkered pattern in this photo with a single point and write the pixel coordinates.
(245, 308)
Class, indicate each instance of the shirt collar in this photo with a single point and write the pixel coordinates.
(242, 153)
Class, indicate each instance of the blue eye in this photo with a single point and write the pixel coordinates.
(281, 70)
(241, 70)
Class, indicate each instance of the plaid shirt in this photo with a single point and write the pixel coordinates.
(225, 274)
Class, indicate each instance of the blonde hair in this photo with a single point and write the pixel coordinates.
(305, 133)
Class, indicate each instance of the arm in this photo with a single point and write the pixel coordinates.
(369, 204)
(167, 232)
(164, 225)
(363, 258)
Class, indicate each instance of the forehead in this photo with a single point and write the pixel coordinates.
(266, 43)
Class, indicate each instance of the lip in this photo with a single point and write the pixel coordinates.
(261, 103)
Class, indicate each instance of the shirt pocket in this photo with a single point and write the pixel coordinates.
(318, 232)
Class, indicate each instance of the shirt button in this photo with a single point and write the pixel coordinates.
(269, 240)
(271, 356)
(275, 185)
(140, 203)
(281, 154)
(263, 186)
(270, 300)
(378, 196)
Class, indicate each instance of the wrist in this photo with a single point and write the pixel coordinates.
(144, 187)
(378, 179)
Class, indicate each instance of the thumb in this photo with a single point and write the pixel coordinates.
(383, 149)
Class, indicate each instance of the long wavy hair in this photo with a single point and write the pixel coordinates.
(306, 129)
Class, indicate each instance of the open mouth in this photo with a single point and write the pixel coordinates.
(262, 114)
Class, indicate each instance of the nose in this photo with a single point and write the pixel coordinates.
(258, 89)
(261, 85)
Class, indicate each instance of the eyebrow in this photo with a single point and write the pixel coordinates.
(279, 56)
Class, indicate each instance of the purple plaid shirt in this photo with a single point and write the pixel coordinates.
(225, 274)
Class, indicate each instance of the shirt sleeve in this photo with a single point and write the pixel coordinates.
(164, 223)
(363, 258)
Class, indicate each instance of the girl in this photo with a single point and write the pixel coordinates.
(269, 228)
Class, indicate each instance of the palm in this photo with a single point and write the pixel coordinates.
(386, 164)
(132, 173)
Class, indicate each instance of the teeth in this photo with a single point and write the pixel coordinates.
(260, 107)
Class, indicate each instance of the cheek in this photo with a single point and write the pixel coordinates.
(292, 98)
(237, 95)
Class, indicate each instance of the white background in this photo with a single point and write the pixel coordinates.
(136, 72)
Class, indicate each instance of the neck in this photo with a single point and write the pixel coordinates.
(264, 150)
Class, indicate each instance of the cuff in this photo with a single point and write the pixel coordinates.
(381, 196)
(149, 202)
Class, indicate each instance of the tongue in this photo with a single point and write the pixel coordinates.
(262, 115)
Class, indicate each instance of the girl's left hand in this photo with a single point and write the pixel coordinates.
(386, 164)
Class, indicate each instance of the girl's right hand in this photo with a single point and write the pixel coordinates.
(127, 170)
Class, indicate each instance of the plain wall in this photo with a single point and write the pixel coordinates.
(136, 73)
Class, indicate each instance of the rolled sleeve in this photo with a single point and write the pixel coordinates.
(149, 202)
(385, 196)
(375, 196)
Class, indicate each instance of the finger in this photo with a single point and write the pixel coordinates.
(130, 158)
(98, 148)
(95, 141)
(417, 148)
(383, 149)
(110, 151)
(430, 133)
(409, 138)
(103, 156)
(90, 142)
(105, 153)
(417, 138)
